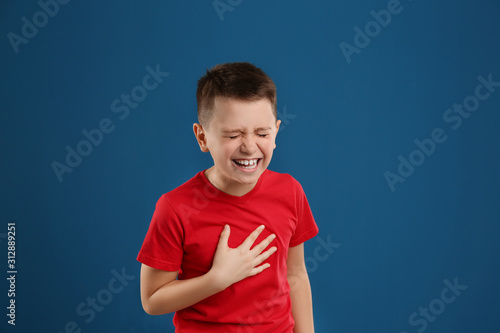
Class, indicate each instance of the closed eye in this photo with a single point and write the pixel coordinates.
(262, 135)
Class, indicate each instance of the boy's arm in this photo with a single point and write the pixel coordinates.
(300, 290)
(161, 293)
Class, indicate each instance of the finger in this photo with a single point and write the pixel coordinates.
(259, 269)
(248, 242)
(262, 245)
(224, 236)
(264, 255)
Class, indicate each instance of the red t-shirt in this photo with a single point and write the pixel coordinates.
(184, 233)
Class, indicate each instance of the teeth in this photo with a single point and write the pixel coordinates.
(245, 163)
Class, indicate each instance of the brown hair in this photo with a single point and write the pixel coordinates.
(238, 80)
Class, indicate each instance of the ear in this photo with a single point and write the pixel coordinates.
(278, 123)
(199, 133)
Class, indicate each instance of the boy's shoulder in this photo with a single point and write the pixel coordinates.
(278, 180)
(278, 176)
(188, 186)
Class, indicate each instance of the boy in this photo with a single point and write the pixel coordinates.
(225, 249)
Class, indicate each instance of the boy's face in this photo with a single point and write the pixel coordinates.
(241, 138)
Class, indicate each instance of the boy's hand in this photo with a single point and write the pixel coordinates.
(232, 265)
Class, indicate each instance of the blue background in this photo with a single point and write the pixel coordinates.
(344, 125)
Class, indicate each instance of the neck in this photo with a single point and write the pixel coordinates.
(227, 186)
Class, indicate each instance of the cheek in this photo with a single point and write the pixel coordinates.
(267, 147)
(228, 149)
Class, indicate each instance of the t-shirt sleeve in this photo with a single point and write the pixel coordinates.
(162, 246)
(306, 226)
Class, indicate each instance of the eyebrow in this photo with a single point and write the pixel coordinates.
(227, 131)
(231, 131)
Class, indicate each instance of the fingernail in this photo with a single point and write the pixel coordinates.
(262, 226)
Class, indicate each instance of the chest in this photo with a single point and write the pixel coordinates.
(202, 230)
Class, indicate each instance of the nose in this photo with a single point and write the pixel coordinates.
(248, 145)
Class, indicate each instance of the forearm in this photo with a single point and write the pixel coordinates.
(179, 294)
(300, 294)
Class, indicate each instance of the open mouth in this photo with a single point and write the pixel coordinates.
(247, 164)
